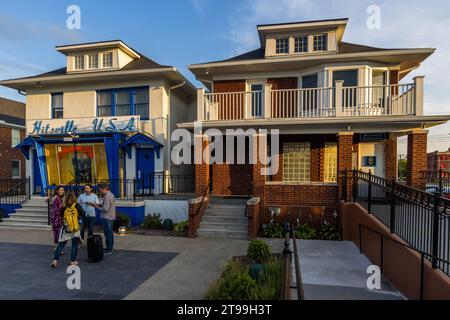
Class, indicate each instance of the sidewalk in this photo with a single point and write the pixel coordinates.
(335, 270)
(144, 267)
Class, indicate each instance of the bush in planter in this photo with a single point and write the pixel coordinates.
(270, 281)
(180, 227)
(2, 215)
(258, 251)
(331, 232)
(305, 232)
(122, 220)
(236, 286)
(152, 221)
(167, 225)
(274, 230)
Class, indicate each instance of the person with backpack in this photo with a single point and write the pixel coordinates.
(70, 215)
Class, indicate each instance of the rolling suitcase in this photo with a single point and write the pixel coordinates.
(95, 248)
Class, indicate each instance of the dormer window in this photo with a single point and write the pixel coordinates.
(282, 45)
(320, 42)
(79, 62)
(107, 60)
(301, 44)
(93, 61)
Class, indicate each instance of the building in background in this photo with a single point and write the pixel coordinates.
(12, 132)
(439, 161)
(105, 116)
(337, 106)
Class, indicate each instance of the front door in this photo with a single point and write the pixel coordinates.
(37, 181)
(145, 169)
(371, 157)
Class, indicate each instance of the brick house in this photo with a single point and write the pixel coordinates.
(337, 106)
(12, 132)
(439, 161)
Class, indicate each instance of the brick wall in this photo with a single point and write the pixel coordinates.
(391, 157)
(12, 108)
(345, 159)
(7, 154)
(417, 158)
(283, 83)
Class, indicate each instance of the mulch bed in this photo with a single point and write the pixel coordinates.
(147, 232)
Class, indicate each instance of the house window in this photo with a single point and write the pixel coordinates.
(301, 44)
(320, 42)
(105, 104)
(93, 61)
(282, 45)
(57, 106)
(123, 102)
(15, 168)
(141, 103)
(15, 137)
(107, 60)
(79, 62)
(296, 162)
(330, 162)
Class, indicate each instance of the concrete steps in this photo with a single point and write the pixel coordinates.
(225, 218)
(32, 215)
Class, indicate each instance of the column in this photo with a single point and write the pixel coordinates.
(417, 157)
(344, 160)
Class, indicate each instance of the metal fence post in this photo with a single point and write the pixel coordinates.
(435, 245)
(440, 182)
(29, 188)
(355, 185)
(134, 189)
(344, 186)
(392, 220)
(369, 193)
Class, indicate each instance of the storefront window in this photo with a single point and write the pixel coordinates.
(90, 163)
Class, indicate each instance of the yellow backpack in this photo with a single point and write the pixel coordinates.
(71, 224)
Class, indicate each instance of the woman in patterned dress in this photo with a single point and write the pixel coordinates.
(57, 203)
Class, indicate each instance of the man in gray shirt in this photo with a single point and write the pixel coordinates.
(108, 213)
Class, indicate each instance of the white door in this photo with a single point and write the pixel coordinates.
(371, 157)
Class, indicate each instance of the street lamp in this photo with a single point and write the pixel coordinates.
(72, 138)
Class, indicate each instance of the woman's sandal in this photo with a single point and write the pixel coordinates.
(73, 263)
(54, 264)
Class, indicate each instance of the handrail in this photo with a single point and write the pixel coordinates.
(298, 275)
(204, 196)
(423, 254)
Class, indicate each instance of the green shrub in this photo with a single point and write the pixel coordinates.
(258, 251)
(2, 215)
(270, 283)
(305, 232)
(152, 221)
(274, 230)
(330, 232)
(235, 286)
(180, 227)
(122, 220)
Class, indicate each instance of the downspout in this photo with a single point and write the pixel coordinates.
(169, 124)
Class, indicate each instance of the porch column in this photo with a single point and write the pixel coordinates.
(391, 156)
(344, 159)
(202, 173)
(260, 157)
(417, 157)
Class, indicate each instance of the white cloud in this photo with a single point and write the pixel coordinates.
(10, 66)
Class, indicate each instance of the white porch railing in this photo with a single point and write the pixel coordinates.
(338, 101)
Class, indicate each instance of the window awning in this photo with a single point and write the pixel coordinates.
(25, 146)
(142, 139)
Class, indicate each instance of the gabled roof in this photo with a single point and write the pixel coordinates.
(99, 45)
(12, 120)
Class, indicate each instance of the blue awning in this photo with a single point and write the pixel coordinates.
(25, 146)
(142, 139)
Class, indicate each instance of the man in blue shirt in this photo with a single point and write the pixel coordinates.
(88, 200)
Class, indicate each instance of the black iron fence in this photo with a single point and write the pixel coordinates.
(149, 186)
(14, 192)
(437, 182)
(420, 218)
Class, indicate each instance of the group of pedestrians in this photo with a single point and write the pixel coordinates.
(72, 217)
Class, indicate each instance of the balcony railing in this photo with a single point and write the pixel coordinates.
(338, 101)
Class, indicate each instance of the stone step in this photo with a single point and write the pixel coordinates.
(223, 226)
(225, 218)
(219, 213)
(29, 215)
(226, 234)
(27, 221)
(33, 209)
(226, 208)
(23, 226)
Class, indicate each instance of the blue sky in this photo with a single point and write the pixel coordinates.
(181, 32)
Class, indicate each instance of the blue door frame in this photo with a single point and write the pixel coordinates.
(37, 180)
(145, 169)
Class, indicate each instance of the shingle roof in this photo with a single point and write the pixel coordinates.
(343, 47)
(137, 64)
(12, 120)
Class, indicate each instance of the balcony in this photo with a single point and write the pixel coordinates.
(332, 102)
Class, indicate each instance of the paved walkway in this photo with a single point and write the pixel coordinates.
(142, 267)
(335, 270)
